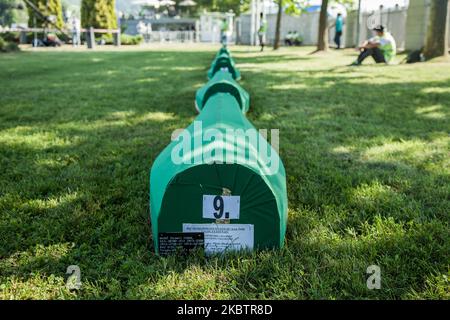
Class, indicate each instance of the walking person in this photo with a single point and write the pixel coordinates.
(338, 28)
(262, 31)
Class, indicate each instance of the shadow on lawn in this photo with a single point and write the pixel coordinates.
(329, 113)
(327, 124)
(90, 189)
(87, 183)
(271, 59)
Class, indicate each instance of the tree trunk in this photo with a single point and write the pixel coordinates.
(276, 44)
(437, 36)
(322, 43)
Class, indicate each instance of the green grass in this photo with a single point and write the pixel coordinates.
(366, 152)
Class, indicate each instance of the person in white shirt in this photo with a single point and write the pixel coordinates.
(382, 48)
(76, 27)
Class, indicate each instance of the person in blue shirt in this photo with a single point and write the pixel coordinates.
(338, 27)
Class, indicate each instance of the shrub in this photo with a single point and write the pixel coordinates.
(107, 38)
(10, 36)
(6, 46)
(126, 39)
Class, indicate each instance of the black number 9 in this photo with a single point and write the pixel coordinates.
(218, 205)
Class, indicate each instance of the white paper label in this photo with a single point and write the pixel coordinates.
(224, 237)
(221, 207)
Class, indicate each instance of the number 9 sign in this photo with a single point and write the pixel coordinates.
(221, 207)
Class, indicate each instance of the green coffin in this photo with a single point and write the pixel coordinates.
(224, 61)
(222, 82)
(178, 190)
(223, 50)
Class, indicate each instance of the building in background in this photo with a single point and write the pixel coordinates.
(210, 26)
(407, 20)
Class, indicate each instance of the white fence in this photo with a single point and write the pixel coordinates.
(170, 36)
(394, 19)
(307, 25)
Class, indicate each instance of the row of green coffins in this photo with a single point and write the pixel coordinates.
(224, 61)
(218, 185)
(222, 81)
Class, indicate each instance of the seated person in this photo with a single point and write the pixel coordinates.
(297, 40)
(288, 39)
(52, 40)
(382, 47)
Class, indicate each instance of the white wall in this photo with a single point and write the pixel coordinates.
(409, 33)
(306, 25)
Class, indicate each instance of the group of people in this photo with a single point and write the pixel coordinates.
(381, 47)
(293, 38)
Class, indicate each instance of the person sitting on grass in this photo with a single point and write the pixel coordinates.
(52, 40)
(288, 39)
(382, 47)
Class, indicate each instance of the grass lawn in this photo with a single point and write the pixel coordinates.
(366, 152)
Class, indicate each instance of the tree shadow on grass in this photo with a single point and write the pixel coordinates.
(361, 154)
(78, 158)
(271, 59)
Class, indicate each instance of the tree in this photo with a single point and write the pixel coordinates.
(322, 42)
(276, 44)
(47, 8)
(237, 6)
(98, 14)
(436, 44)
(12, 11)
(290, 6)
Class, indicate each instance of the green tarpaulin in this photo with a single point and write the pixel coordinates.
(218, 184)
(222, 82)
(224, 62)
(223, 50)
(177, 189)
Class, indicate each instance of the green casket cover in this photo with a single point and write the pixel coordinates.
(223, 50)
(177, 190)
(224, 61)
(222, 82)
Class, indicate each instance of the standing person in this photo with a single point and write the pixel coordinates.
(224, 32)
(149, 31)
(76, 26)
(141, 28)
(382, 47)
(338, 28)
(262, 31)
